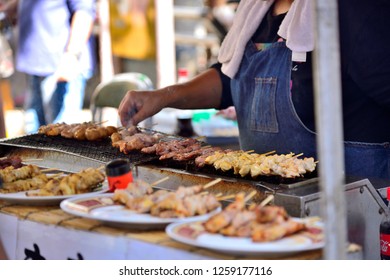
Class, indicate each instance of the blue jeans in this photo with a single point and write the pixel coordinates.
(52, 102)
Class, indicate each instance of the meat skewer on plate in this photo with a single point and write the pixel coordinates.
(33, 183)
(184, 202)
(10, 174)
(258, 222)
(14, 161)
(76, 183)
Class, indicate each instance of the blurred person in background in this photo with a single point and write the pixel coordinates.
(133, 36)
(221, 14)
(3, 256)
(55, 49)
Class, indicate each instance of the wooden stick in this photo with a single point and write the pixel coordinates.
(33, 159)
(212, 183)
(298, 155)
(56, 175)
(226, 197)
(205, 147)
(200, 138)
(249, 196)
(101, 167)
(50, 169)
(267, 200)
(159, 181)
(268, 153)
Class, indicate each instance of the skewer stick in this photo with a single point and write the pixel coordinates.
(205, 147)
(249, 196)
(3, 158)
(33, 159)
(268, 153)
(159, 181)
(56, 175)
(226, 197)
(50, 169)
(101, 167)
(212, 183)
(298, 155)
(267, 200)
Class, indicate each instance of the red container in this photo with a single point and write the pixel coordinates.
(118, 173)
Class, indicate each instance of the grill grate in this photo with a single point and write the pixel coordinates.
(103, 151)
(98, 150)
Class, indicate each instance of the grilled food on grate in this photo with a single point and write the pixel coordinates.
(80, 131)
(132, 139)
(253, 164)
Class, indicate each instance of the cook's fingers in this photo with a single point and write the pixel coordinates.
(126, 110)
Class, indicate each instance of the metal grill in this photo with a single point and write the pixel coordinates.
(98, 150)
(104, 152)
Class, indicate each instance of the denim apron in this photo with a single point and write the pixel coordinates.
(267, 119)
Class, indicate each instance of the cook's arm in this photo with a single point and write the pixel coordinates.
(202, 92)
(80, 32)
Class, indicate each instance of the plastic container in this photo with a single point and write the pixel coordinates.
(119, 174)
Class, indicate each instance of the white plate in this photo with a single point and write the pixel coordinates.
(22, 198)
(193, 233)
(102, 208)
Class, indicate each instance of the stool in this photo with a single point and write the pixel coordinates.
(111, 93)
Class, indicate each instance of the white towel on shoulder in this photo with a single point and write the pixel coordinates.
(296, 29)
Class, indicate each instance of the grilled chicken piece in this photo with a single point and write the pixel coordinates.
(224, 218)
(25, 185)
(274, 231)
(10, 174)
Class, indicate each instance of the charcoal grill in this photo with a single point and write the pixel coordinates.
(300, 197)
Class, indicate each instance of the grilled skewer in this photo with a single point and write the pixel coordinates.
(10, 174)
(76, 183)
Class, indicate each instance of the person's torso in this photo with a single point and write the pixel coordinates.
(44, 28)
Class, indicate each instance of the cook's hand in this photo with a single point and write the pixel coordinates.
(136, 106)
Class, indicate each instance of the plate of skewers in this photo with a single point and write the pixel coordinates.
(32, 185)
(255, 230)
(143, 206)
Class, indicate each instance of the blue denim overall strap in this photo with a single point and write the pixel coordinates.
(268, 121)
(261, 94)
